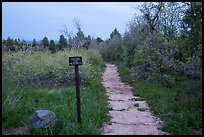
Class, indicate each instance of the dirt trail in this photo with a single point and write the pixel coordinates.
(126, 118)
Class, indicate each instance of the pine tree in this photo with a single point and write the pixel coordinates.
(52, 46)
(98, 40)
(16, 42)
(62, 42)
(87, 42)
(115, 33)
(9, 42)
(34, 43)
(45, 42)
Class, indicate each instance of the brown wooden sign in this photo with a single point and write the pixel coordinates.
(76, 61)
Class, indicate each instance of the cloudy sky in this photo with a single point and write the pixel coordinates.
(28, 20)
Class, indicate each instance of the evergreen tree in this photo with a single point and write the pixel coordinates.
(52, 46)
(98, 40)
(16, 45)
(62, 42)
(87, 42)
(34, 43)
(19, 41)
(16, 42)
(115, 33)
(45, 42)
(9, 42)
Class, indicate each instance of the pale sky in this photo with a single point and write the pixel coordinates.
(28, 20)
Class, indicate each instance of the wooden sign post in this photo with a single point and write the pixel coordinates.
(76, 61)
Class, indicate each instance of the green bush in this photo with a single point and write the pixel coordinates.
(40, 69)
(168, 81)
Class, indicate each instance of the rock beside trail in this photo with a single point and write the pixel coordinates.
(42, 119)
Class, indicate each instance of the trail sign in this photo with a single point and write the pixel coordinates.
(76, 61)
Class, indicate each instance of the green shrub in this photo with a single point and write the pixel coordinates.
(41, 69)
(168, 81)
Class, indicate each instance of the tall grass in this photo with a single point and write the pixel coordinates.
(180, 106)
(19, 102)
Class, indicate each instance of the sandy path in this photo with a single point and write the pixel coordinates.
(126, 118)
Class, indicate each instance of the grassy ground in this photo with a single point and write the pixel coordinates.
(21, 103)
(180, 105)
(18, 102)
